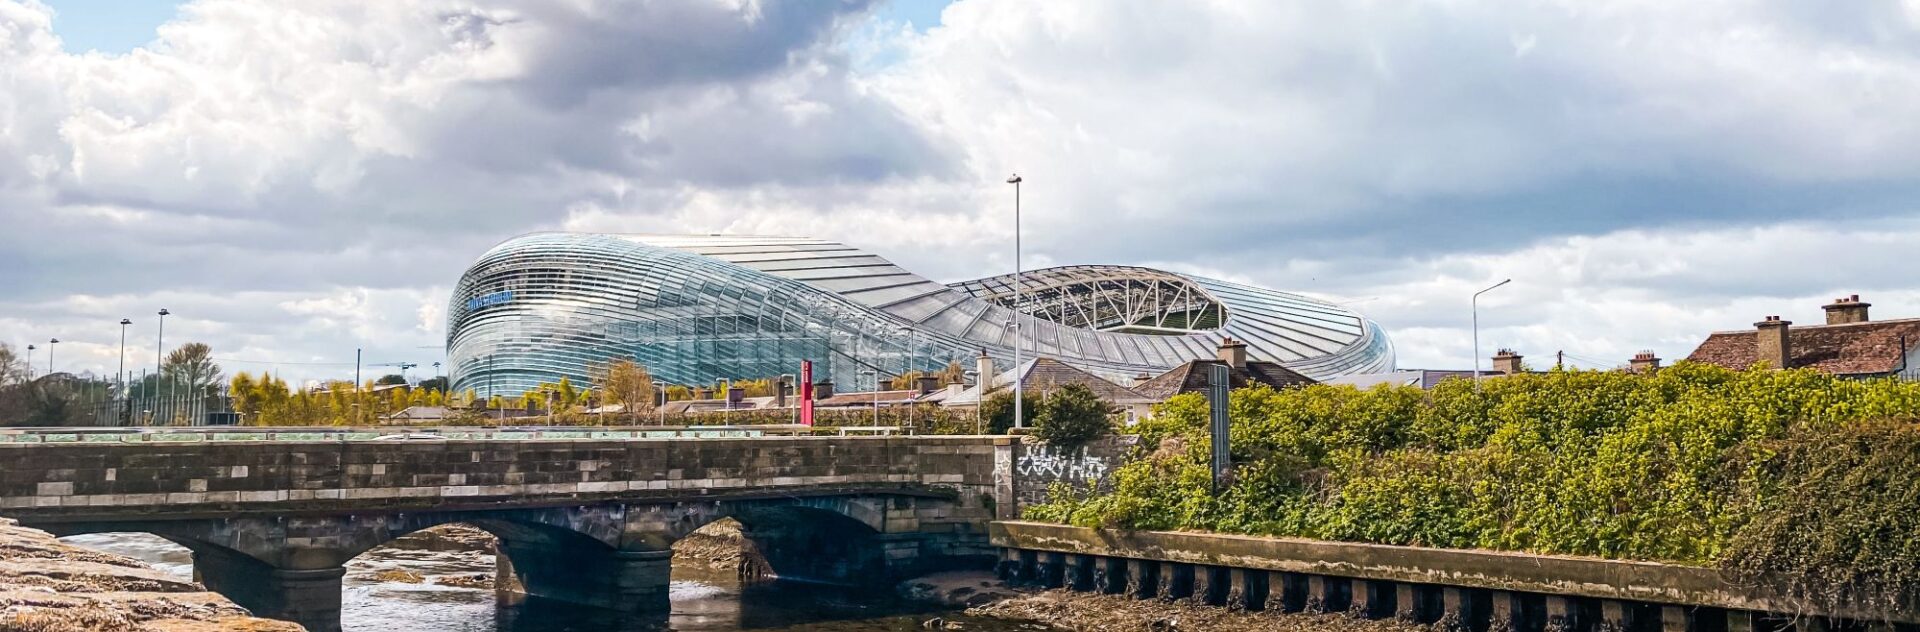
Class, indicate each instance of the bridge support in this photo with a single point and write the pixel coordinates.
(627, 581)
(309, 597)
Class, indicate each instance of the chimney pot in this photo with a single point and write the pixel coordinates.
(928, 383)
(1847, 310)
(822, 389)
(1506, 361)
(1643, 362)
(1233, 353)
(1771, 343)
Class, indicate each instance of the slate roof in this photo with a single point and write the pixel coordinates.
(887, 398)
(1192, 377)
(1042, 375)
(1869, 348)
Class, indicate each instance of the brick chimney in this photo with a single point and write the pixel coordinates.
(1643, 362)
(702, 392)
(822, 389)
(983, 369)
(1233, 353)
(780, 389)
(1847, 309)
(1141, 380)
(1506, 361)
(927, 383)
(1771, 343)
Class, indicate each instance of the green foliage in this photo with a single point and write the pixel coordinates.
(1682, 465)
(997, 410)
(1836, 516)
(1072, 415)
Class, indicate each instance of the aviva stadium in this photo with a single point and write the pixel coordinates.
(697, 309)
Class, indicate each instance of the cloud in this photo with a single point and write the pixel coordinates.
(301, 179)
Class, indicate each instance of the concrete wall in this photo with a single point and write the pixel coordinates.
(1417, 583)
(1038, 467)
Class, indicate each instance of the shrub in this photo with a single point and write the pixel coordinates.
(998, 409)
(1071, 416)
(1694, 464)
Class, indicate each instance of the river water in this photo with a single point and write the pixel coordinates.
(703, 600)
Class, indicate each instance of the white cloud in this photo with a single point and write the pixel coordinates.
(306, 178)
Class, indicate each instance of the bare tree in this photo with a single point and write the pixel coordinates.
(628, 384)
(192, 365)
(13, 369)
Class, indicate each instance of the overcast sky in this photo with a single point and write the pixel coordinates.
(295, 180)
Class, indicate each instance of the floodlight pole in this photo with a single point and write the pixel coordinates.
(1019, 420)
(1476, 330)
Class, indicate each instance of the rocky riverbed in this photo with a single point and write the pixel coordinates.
(1089, 612)
(50, 586)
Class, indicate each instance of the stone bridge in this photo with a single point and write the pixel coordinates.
(271, 523)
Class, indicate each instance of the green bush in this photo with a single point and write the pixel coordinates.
(1693, 464)
(1072, 415)
(998, 409)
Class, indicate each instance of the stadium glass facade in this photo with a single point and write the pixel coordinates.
(697, 309)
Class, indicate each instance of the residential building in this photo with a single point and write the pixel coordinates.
(1849, 344)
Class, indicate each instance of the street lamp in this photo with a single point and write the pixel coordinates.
(660, 391)
(913, 387)
(1476, 330)
(159, 355)
(123, 355)
(50, 343)
(876, 393)
(30, 349)
(973, 376)
(1018, 420)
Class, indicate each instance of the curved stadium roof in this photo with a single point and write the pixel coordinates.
(697, 308)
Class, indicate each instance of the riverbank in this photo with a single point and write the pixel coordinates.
(1088, 612)
(50, 586)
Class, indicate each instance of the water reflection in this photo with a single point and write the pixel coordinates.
(407, 590)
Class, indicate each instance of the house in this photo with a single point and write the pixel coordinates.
(1849, 344)
(419, 415)
(1193, 376)
(1423, 378)
(1044, 375)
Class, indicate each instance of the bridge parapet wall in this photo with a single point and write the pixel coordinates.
(93, 481)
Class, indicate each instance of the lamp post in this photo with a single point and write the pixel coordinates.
(972, 376)
(30, 349)
(913, 386)
(876, 393)
(123, 355)
(660, 389)
(1019, 421)
(159, 355)
(50, 343)
(1476, 330)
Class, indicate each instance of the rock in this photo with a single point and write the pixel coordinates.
(957, 589)
(400, 576)
(446, 537)
(470, 580)
(49, 586)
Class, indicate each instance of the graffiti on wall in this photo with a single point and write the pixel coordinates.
(1060, 465)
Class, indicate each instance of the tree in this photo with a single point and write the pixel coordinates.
(192, 365)
(13, 369)
(1072, 415)
(997, 410)
(391, 379)
(628, 384)
(436, 383)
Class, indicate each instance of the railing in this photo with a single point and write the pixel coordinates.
(526, 433)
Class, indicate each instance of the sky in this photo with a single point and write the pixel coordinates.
(295, 181)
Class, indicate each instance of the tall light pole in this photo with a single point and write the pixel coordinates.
(913, 387)
(1019, 421)
(1476, 330)
(159, 355)
(30, 349)
(50, 343)
(123, 355)
(876, 394)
